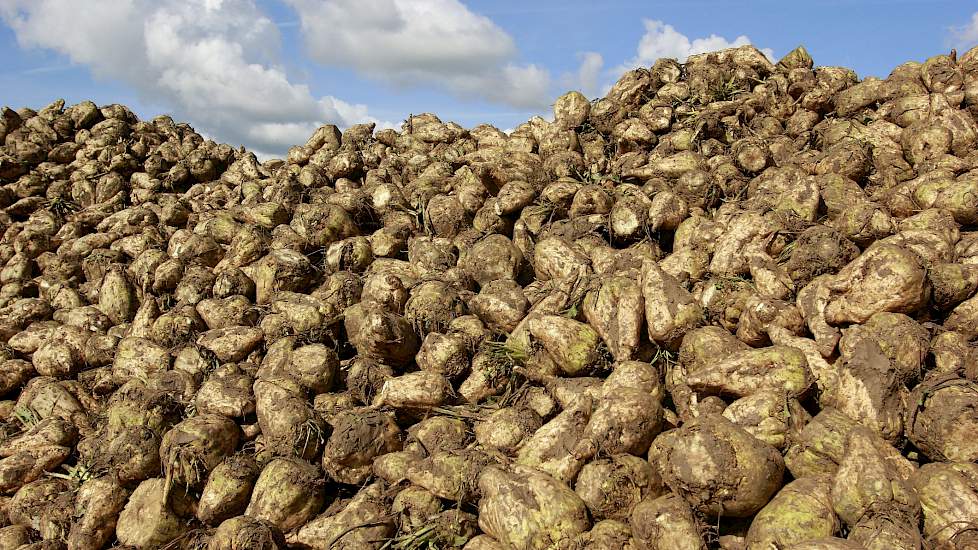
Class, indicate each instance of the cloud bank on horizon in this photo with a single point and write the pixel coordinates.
(211, 61)
(965, 36)
(422, 43)
(219, 64)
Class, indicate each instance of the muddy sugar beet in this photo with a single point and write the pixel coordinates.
(732, 304)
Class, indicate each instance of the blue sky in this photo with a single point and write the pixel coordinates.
(265, 73)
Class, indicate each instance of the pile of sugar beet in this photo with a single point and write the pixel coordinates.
(732, 304)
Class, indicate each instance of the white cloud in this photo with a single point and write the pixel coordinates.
(662, 40)
(588, 77)
(526, 86)
(965, 36)
(423, 43)
(401, 37)
(212, 61)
